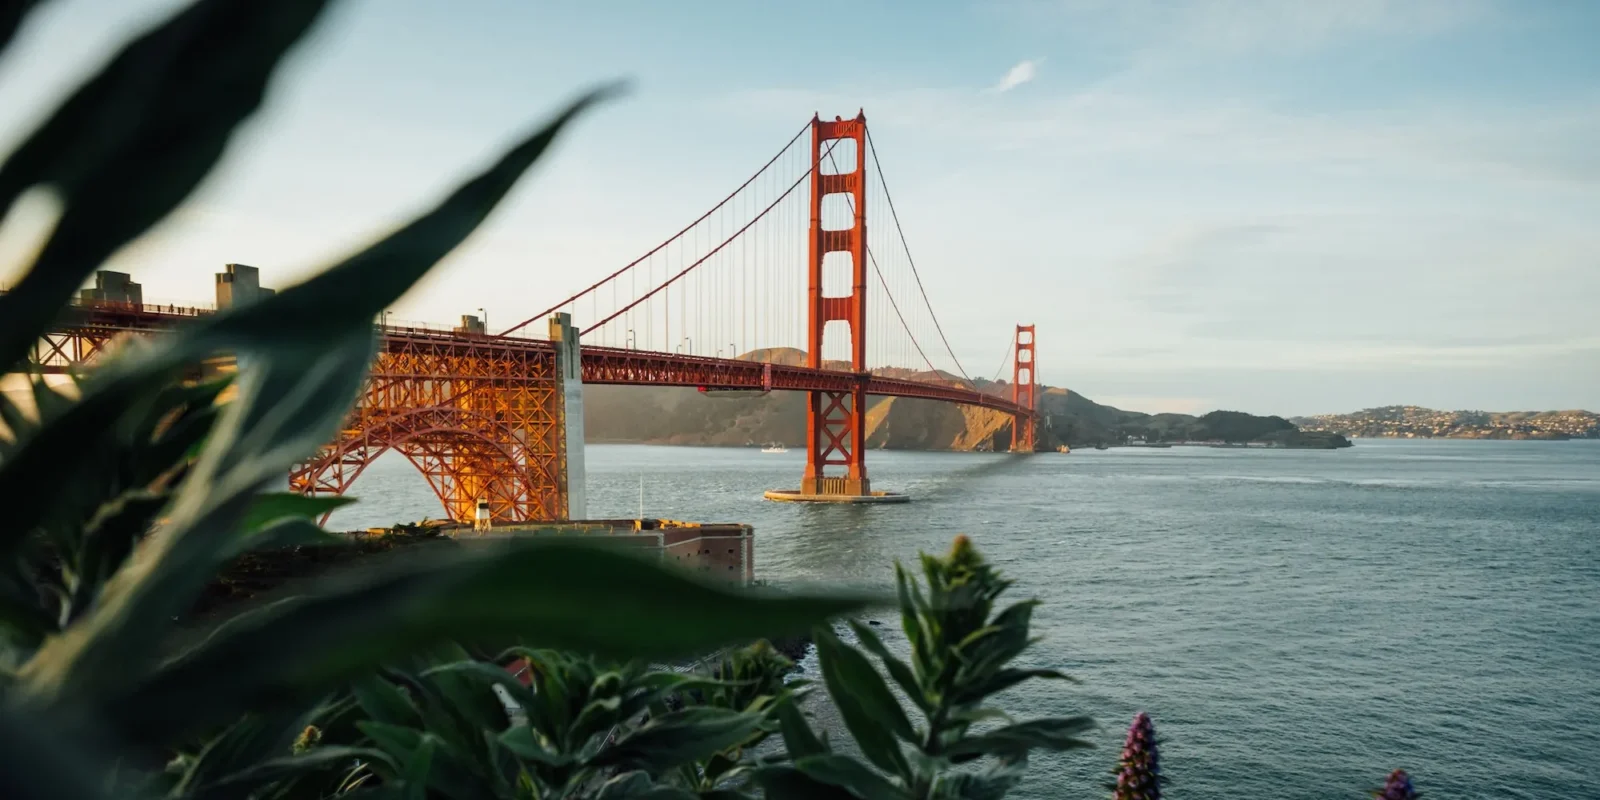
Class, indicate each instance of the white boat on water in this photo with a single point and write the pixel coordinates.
(775, 448)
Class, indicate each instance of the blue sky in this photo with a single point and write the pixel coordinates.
(1274, 206)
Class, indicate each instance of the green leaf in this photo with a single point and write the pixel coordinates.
(375, 278)
(414, 773)
(486, 675)
(637, 785)
(897, 669)
(913, 609)
(789, 783)
(285, 768)
(447, 771)
(1053, 733)
(46, 466)
(287, 408)
(283, 411)
(997, 643)
(288, 533)
(680, 737)
(798, 737)
(597, 714)
(109, 539)
(383, 701)
(559, 592)
(167, 431)
(245, 742)
(177, 446)
(846, 772)
(276, 507)
(869, 710)
(994, 783)
(132, 143)
(396, 740)
(459, 706)
(24, 622)
(47, 402)
(17, 425)
(521, 742)
(1005, 679)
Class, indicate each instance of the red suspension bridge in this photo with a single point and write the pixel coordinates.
(782, 270)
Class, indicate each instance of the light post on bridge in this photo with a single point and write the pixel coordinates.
(630, 342)
(485, 321)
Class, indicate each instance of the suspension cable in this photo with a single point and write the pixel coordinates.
(715, 250)
(1003, 361)
(669, 239)
(878, 163)
(873, 259)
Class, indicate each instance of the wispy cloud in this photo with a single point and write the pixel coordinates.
(1023, 72)
(1516, 144)
(1242, 27)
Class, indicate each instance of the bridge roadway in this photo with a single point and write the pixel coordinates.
(93, 325)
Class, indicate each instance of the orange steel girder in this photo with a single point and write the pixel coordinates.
(836, 420)
(62, 350)
(1023, 369)
(477, 416)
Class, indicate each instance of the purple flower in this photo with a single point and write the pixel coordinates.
(1139, 771)
(1398, 787)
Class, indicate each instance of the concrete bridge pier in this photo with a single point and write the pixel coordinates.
(569, 411)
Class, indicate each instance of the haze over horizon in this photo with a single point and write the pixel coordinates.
(1309, 208)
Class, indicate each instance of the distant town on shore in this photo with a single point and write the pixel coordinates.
(1416, 422)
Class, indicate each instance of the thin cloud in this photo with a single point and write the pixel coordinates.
(1022, 73)
(1167, 31)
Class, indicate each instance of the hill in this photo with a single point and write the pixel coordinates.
(684, 416)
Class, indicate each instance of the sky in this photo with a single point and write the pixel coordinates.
(1271, 206)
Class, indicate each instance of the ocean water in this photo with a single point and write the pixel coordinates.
(1298, 623)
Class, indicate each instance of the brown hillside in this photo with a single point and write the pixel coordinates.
(673, 415)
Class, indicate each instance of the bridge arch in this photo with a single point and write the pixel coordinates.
(464, 455)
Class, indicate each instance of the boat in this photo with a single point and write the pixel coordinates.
(775, 447)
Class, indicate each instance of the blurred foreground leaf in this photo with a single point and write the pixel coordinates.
(133, 141)
(557, 594)
(309, 347)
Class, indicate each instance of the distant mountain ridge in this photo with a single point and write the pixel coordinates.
(1417, 422)
(685, 416)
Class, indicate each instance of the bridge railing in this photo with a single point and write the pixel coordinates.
(164, 309)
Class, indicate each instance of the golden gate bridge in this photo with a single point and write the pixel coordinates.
(781, 286)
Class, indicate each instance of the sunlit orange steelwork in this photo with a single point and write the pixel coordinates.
(836, 422)
(1023, 368)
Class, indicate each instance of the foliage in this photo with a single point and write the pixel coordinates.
(961, 654)
(394, 677)
(125, 500)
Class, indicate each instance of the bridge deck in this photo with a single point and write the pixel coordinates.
(90, 327)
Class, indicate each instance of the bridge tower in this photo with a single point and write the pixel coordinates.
(836, 421)
(1023, 369)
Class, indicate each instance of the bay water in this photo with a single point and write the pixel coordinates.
(1298, 623)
